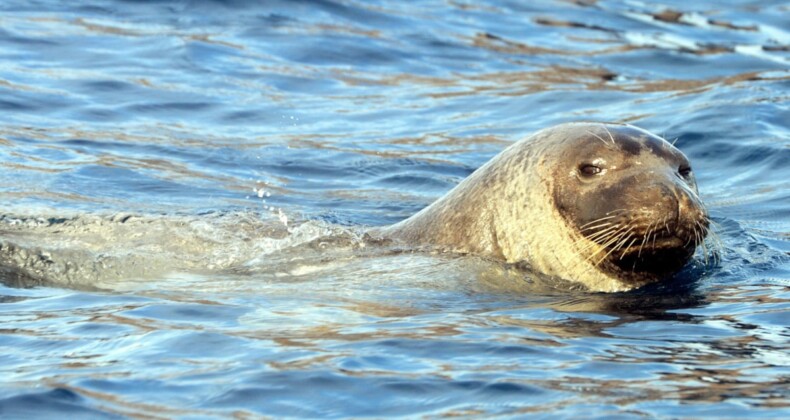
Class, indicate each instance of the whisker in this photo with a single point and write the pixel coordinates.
(611, 239)
(596, 221)
(719, 248)
(603, 240)
(620, 239)
(599, 240)
(701, 242)
(695, 238)
(614, 249)
(664, 221)
(644, 240)
(608, 132)
(596, 226)
(616, 211)
(598, 137)
(626, 248)
(597, 235)
(718, 245)
(591, 236)
(712, 231)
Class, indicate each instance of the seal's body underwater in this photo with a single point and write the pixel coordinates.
(607, 205)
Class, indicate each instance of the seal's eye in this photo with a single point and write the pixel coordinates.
(588, 170)
(684, 171)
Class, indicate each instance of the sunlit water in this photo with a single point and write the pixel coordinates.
(235, 152)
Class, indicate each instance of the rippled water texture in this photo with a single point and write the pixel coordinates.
(203, 127)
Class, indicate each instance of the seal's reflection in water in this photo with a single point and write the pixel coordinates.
(654, 301)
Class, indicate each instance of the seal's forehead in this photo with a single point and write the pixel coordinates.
(634, 141)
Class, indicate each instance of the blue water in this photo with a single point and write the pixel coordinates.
(350, 113)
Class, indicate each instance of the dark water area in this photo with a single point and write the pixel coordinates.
(204, 120)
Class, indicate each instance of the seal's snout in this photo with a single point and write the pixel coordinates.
(666, 223)
(690, 209)
(667, 208)
(647, 227)
(675, 205)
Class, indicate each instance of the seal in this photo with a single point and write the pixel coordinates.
(610, 206)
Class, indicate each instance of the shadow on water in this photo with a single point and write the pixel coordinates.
(659, 301)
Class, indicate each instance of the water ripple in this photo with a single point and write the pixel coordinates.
(196, 174)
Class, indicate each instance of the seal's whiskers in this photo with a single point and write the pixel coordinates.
(619, 240)
(598, 137)
(625, 249)
(644, 240)
(609, 132)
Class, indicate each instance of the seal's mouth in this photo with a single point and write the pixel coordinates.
(663, 243)
(659, 262)
(656, 257)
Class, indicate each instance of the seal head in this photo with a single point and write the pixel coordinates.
(610, 206)
(633, 197)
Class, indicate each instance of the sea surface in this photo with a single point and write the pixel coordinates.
(196, 175)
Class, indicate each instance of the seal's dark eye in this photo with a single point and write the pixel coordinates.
(587, 169)
(684, 171)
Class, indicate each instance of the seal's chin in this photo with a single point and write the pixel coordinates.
(660, 258)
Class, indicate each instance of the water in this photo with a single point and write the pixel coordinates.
(161, 122)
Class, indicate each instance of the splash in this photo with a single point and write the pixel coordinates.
(96, 251)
